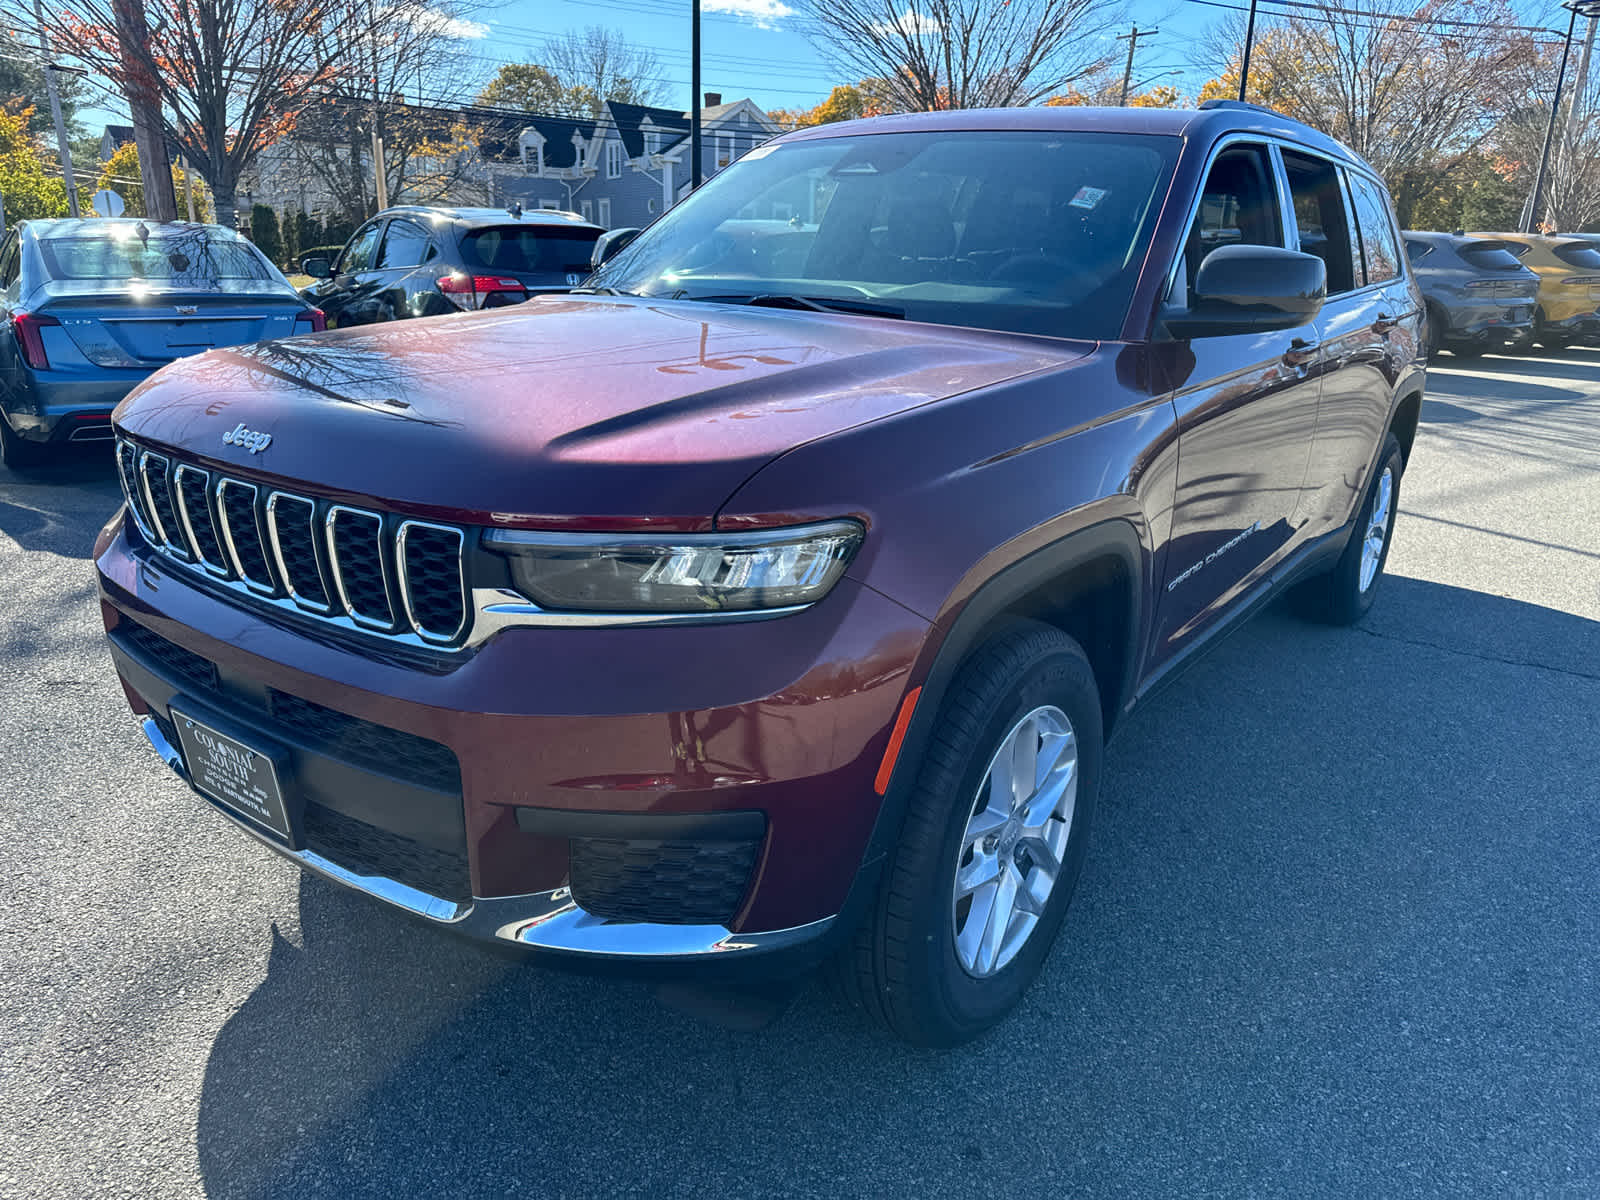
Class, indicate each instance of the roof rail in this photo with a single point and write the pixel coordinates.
(1241, 105)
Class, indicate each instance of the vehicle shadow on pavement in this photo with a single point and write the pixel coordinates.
(61, 506)
(1333, 936)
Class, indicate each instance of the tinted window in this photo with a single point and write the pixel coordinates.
(405, 245)
(1319, 213)
(1417, 250)
(1380, 247)
(363, 248)
(1576, 254)
(8, 261)
(1490, 256)
(1042, 232)
(189, 256)
(1238, 206)
(530, 248)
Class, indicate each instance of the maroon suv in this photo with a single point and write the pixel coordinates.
(771, 602)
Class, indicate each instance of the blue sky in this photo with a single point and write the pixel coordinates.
(755, 48)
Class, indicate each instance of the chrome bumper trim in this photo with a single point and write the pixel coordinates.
(542, 920)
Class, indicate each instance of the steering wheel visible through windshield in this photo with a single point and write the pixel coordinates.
(1038, 232)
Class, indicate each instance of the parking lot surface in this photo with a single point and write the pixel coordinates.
(1335, 935)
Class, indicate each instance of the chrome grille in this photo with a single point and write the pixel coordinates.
(355, 569)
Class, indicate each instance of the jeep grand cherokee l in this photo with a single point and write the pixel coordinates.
(771, 601)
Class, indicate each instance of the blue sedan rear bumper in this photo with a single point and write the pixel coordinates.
(68, 404)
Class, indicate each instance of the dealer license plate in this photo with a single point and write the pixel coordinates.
(235, 775)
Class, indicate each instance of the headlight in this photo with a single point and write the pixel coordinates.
(678, 572)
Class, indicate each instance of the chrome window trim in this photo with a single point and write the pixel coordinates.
(269, 590)
(277, 551)
(404, 572)
(163, 538)
(219, 571)
(131, 490)
(361, 619)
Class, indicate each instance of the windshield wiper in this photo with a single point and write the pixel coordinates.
(866, 308)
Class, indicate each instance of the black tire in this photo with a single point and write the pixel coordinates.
(1336, 597)
(18, 453)
(902, 967)
(1469, 351)
(1433, 334)
(1542, 335)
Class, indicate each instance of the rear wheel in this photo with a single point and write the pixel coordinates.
(1342, 595)
(994, 836)
(1434, 334)
(1542, 334)
(19, 453)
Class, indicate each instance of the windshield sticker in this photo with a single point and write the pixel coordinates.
(1088, 197)
(758, 152)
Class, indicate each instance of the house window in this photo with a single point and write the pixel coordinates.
(650, 206)
(613, 160)
(652, 142)
(548, 205)
(588, 211)
(724, 150)
(605, 212)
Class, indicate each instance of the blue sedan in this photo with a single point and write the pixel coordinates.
(89, 308)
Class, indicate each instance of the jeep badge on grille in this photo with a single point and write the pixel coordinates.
(240, 436)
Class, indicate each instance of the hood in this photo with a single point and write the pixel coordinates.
(570, 410)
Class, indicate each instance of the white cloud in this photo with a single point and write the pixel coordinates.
(765, 13)
(447, 26)
(910, 23)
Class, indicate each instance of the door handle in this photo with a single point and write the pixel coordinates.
(1384, 323)
(1300, 353)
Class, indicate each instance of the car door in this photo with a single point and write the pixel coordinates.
(1246, 407)
(406, 247)
(349, 297)
(1371, 325)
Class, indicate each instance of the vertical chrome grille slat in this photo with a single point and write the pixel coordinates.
(191, 489)
(358, 569)
(292, 530)
(361, 571)
(432, 588)
(241, 534)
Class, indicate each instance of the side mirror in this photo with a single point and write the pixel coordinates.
(1251, 289)
(317, 267)
(610, 244)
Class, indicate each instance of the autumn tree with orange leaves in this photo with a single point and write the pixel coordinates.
(231, 76)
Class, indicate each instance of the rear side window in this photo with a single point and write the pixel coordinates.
(1416, 251)
(1319, 213)
(1380, 246)
(9, 261)
(1490, 256)
(1577, 254)
(553, 250)
(405, 245)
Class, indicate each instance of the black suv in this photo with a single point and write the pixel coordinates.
(413, 261)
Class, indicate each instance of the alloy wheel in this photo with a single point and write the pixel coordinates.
(1015, 840)
(1377, 528)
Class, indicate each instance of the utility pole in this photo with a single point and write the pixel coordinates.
(1127, 72)
(144, 103)
(1249, 40)
(63, 151)
(1579, 92)
(695, 170)
(1531, 216)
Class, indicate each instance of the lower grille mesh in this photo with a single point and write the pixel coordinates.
(677, 883)
(368, 850)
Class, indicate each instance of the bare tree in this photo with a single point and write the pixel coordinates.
(605, 63)
(1572, 190)
(939, 54)
(1414, 95)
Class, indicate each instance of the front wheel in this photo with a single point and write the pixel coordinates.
(1344, 594)
(994, 836)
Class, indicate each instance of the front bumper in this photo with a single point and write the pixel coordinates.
(547, 722)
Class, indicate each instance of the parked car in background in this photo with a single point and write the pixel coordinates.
(91, 307)
(1569, 285)
(413, 261)
(1479, 295)
(780, 615)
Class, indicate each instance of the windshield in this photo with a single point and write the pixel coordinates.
(525, 248)
(182, 256)
(1029, 232)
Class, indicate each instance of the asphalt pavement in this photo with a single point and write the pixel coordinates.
(1336, 935)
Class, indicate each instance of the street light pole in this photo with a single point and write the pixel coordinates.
(1587, 8)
